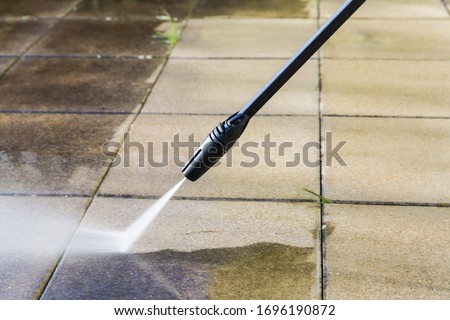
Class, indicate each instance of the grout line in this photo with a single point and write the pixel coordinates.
(143, 57)
(235, 58)
(386, 59)
(193, 198)
(25, 112)
(320, 232)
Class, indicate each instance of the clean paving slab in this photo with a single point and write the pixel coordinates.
(243, 38)
(135, 9)
(33, 8)
(388, 160)
(104, 38)
(260, 9)
(34, 232)
(260, 167)
(78, 85)
(398, 9)
(197, 250)
(386, 252)
(418, 39)
(54, 153)
(224, 86)
(385, 88)
(17, 36)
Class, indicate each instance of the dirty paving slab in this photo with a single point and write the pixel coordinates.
(198, 250)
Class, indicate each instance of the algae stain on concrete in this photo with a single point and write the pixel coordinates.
(254, 8)
(263, 271)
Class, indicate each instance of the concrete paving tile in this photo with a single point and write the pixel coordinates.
(54, 154)
(384, 252)
(251, 251)
(47, 8)
(17, 36)
(249, 171)
(131, 9)
(77, 85)
(261, 8)
(102, 37)
(397, 9)
(386, 87)
(34, 232)
(243, 38)
(400, 160)
(224, 86)
(391, 39)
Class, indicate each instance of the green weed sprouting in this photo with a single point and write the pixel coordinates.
(319, 199)
(173, 34)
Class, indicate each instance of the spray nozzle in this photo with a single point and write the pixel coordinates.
(215, 145)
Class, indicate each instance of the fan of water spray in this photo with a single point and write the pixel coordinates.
(98, 241)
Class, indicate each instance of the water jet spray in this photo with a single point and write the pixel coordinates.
(222, 137)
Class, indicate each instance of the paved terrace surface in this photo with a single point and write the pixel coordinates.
(77, 74)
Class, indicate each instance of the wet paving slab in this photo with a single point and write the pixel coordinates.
(54, 154)
(389, 160)
(409, 256)
(78, 85)
(198, 250)
(158, 146)
(131, 9)
(17, 36)
(34, 232)
(243, 38)
(256, 8)
(46, 8)
(401, 9)
(223, 86)
(418, 39)
(104, 38)
(385, 88)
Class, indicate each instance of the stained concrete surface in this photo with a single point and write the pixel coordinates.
(17, 36)
(256, 8)
(56, 154)
(104, 38)
(198, 250)
(257, 216)
(77, 85)
(24, 8)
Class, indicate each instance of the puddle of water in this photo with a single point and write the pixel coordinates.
(102, 241)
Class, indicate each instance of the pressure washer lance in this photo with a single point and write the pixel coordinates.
(222, 138)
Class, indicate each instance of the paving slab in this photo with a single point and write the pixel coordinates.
(54, 154)
(224, 86)
(34, 233)
(17, 36)
(104, 38)
(243, 38)
(398, 9)
(386, 88)
(418, 39)
(389, 160)
(260, 8)
(198, 250)
(249, 171)
(78, 85)
(131, 9)
(46, 8)
(409, 256)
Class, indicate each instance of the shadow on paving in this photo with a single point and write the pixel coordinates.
(258, 271)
